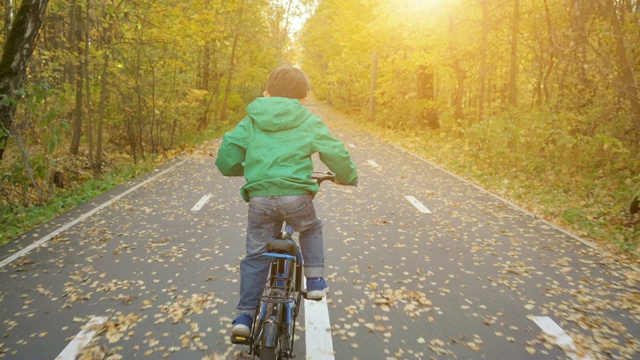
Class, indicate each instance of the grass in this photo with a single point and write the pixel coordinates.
(17, 220)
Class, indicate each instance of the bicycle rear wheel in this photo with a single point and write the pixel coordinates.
(270, 342)
(267, 353)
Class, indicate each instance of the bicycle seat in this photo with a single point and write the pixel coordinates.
(280, 245)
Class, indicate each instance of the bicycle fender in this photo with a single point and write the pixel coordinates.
(270, 335)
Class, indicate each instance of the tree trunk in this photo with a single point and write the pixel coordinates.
(513, 67)
(79, 76)
(227, 91)
(87, 82)
(460, 74)
(575, 86)
(139, 124)
(427, 95)
(104, 87)
(18, 48)
(628, 81)
(484, 51)
(374, 85)
(104, 92)
(541, 91)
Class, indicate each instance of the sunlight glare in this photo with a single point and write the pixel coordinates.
(421, 5)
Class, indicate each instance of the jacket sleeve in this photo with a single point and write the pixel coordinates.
(232, 151)
(333, 154)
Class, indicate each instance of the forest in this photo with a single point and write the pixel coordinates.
(535, 100)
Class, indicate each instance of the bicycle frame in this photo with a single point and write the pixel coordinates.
(275, 317)
(272, 332)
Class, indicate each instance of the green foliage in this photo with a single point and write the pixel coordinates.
(46, 107)
(158, 72)
(567, 148)
(336, 47)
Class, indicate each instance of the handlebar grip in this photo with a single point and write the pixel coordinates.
(326, 178)
(323, 176)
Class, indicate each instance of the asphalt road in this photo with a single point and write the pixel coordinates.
(421, 265)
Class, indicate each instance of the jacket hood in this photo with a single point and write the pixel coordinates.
(277, 113)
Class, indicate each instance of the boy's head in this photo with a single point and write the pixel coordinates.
(287, 81)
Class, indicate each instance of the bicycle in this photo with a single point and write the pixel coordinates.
(272, 332)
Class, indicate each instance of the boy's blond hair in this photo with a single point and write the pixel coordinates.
(289, 82)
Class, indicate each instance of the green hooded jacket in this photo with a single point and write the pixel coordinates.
(272, 148)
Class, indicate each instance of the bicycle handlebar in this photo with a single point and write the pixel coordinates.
(321, 176)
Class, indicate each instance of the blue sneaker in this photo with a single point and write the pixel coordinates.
(242, 325)
(316, 288)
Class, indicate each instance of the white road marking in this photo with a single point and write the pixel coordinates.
(505, 201)
(82, 217)
(318, 330)
(81, 340)
(563, 340)
(418, 205)
(373, 163)
(201, 203)
(353, 146)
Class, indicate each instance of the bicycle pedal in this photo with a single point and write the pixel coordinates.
(240, 340)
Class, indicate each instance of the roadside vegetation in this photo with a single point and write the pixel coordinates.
(115, 88)
(23, 209)
(535, 101)
(594, 206)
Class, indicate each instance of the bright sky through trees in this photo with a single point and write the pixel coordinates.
(420, 5)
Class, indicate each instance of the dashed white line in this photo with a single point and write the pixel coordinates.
(563, 340)
(201, 203)
(318, 330)
(505, 201)
(81, 340)
(373, 163)
(418, 205)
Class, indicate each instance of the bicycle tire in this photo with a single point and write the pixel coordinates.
(267, 353)
(269, 344)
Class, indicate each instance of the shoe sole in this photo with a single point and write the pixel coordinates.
(241, 330)
(317, 294)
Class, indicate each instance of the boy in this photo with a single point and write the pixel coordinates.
(272, 149)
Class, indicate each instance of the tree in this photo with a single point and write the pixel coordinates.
(484, 53)
(139, 78)
(77, 41)
(232, 61)
(8, 17)
(335, 63)
(513, 66)
(17, 50)
(628, 83)
(374, 85)
(455, 63)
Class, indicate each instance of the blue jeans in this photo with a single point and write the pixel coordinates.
(265, 218)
